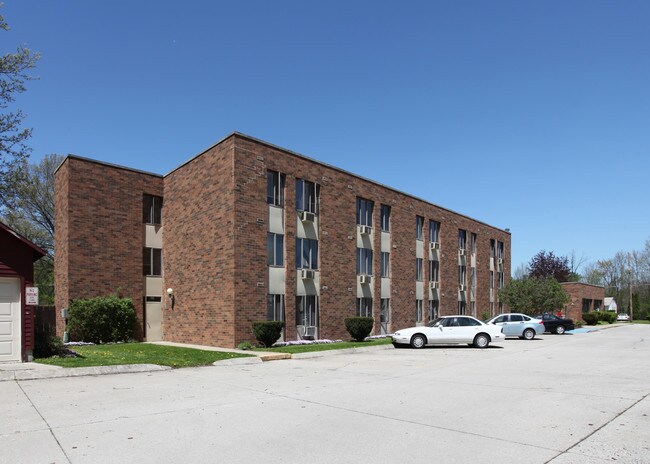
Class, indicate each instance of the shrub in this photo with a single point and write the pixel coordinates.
(101, 319)
(267, 332)
(245, 346)
(609, 316)
(359, 327)
(47, 345)
(578, 324)
(590, 318)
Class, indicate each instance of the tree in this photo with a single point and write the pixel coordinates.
(533, 296)
(544, 265)
(31, 214)
(14, 152)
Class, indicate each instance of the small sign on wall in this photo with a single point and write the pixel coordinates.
(31, 296)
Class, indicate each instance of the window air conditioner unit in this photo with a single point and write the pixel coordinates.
(461, 252)
(306, 274)
(365, 279)
(309, 332)
(434, 285)
(461, 287)
(365, 230)
(500, 261)
(306, 216)
(434, 245)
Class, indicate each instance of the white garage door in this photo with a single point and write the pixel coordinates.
(9, 319)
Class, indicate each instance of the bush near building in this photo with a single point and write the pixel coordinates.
(590, 318)
(101, 319)
(267, 332)
(359, 327)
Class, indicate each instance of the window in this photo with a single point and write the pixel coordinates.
(152, 262)
(364, 261)
(433, 309)
(274, 188)
(500, 250)
(306, 196)
(473, 244)
(500, 307)
(586, 305)
(434, 271)
(364, 212)
(461, 308)
(501, 320)
(493, 248)
(275, 249)
(491, 279)
(385, 264)
(516, 318)
(274, 307)
(152, 209)
(384, 315)
(306, 253)
(153, 299)
(385, 218)
(598, 305)
(462, 271)
(307, 310)
(491, 308)
(418, 311)
(472, 308)
(418, 269)
(419, 225)
(472, 277)
(434, 231)
(501, 279)
(462, 239)
(364, 307)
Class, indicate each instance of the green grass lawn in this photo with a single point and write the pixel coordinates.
(326, 346)
(139, 353)
(640, 321)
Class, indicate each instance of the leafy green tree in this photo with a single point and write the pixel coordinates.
(533, 296)
(14, 68)
(31, 214)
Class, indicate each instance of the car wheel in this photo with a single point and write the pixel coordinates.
(560, 330)
(418, 341)
(529, 334)
(481, 341)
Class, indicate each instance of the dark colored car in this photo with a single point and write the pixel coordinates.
(555, 324)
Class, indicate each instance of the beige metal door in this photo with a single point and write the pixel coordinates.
(154, 321)
(10, 315)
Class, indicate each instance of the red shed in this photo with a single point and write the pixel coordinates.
(17, 256)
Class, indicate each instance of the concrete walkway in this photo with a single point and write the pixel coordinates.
(263, 355)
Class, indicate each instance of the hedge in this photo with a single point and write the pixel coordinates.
(101, 319)
(590, 318)
(359, 327)
(267, 332)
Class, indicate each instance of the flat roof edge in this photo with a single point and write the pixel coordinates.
(104, 163)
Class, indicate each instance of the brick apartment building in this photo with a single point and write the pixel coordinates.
(248, 231)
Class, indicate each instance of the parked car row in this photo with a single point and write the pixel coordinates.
(460, 329)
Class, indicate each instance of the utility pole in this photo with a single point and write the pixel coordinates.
(629, 285)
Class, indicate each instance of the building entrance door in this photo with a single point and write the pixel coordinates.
(154, 317)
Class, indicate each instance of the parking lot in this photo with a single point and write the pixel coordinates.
(579, 398)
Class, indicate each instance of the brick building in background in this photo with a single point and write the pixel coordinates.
(584, 298)
(248, 231)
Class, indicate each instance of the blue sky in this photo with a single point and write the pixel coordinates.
(533, 116)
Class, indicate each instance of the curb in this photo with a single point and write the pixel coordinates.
(81, 371)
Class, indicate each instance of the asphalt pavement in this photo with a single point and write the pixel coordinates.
(579, 398)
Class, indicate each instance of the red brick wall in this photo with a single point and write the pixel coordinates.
(198, 249)
(337, 253)
(577, 291)
(99, 232)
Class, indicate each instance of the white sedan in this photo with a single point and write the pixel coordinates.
(449, 330)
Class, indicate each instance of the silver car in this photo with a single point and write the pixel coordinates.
(518, 325)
